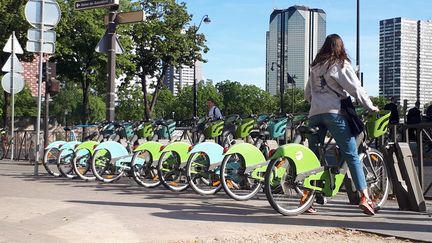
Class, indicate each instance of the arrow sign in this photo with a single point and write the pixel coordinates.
(17, 68)
(16, 45)
(102, 46)
(87, 4)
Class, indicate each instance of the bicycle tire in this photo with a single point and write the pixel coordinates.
(377, 179)
(65, 167)
(279, 186)
(81, 164)
(170, 172)
(50, 161)
(145, 175)
(103, 168)
(200, 178)
(238, 185)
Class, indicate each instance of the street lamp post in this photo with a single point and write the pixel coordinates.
(206, 20)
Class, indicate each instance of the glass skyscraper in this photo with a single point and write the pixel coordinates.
(405, 60)
(295, 36)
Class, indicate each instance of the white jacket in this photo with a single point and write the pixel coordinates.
(321, 93)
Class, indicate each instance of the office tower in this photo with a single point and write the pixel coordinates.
(405, 60)
(178, 78)
(295, 36)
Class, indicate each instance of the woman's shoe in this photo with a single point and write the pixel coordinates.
(367, 206)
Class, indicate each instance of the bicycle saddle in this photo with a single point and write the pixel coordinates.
(308, 130)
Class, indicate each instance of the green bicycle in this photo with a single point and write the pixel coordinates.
(295, 175)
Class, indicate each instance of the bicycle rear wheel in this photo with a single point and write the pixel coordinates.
(143, 170)
(50, 161)
(238, 184)
(283, 193)
(202, 180)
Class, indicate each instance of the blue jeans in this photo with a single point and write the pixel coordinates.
(337, 125)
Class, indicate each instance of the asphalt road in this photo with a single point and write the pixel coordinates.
(47, 209)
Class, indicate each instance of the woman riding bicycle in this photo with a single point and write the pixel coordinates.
(332, 78)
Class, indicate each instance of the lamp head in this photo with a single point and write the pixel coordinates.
(207, 20)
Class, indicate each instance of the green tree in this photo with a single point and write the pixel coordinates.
(128, 108)
(379, 101)
(165, 105)
(67, 106)
(164, 40)
(297, 101)
(25, 104)
(77, 36)
(12, 19)
(184, 103)
(245, 99)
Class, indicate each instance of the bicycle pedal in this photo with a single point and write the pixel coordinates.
(173, 183)
(216, 183)
(230, 184)
(321, 199)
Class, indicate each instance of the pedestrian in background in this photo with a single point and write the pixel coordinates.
(393, 108)
(214, 111)
(414, 117)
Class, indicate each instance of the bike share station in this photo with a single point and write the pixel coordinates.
(408, 182)
(407, 186)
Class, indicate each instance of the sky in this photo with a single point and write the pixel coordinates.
(236, 34)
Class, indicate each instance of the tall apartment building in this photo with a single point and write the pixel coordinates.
(295, 36)
(177, 78)
(405, 60)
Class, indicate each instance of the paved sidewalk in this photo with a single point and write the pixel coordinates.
(47, 209)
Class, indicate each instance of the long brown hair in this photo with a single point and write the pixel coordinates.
(333, 51)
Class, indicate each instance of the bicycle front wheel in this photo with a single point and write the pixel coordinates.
(49, 161)
(377, 179)
(285, 195)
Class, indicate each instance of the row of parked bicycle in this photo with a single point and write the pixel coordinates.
(289, 174)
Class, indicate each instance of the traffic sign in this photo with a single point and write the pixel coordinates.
(17, 66)
(128, 17)
(87, 4)
(34, 46)
(18, 83)
(49, 36)
(102, 46)
(51, 13)
(16, 45)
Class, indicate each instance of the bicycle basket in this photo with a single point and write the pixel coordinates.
(145, 130)
(127, 131)
(276, 127)
(215, 129)
(245, 128)
(108, 130)
(377, 123)
(166, 131)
